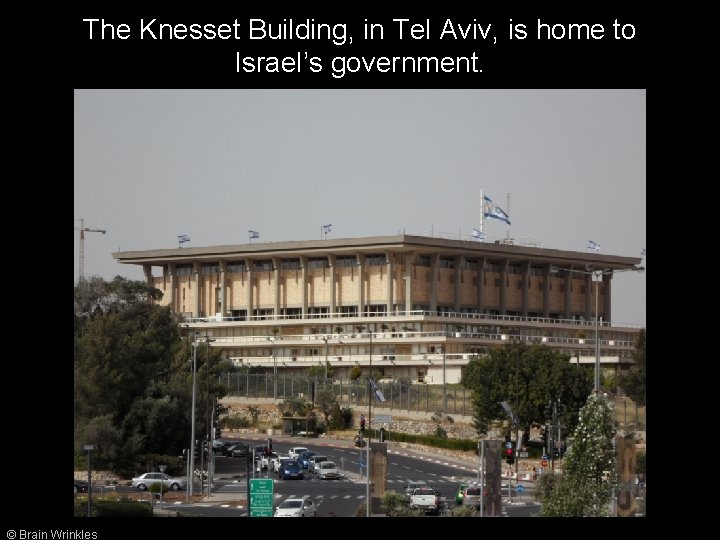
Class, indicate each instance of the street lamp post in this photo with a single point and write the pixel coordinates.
(273, 340)
(89, 448)
(444, 383)
(162, 483)
(191, 480)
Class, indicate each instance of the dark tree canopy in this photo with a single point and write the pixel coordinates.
(528, 378)
(634, 380)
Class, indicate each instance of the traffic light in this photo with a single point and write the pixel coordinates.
(509, 456)
(218, 432)
(362, 423)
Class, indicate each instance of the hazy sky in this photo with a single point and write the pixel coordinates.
(154, 164)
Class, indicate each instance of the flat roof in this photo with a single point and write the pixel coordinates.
(373, 244)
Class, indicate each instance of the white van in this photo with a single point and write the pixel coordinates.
(294, 453)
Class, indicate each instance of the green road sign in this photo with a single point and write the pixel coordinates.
(261, 497)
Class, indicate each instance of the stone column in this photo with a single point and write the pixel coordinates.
(390, 267)
(197, 269)
(333, 289)
(607, 297)
(480, 284)
(303, 285)
(361, 290)
(276, 274)
(170, 269)
(223, 300)
(147, 270)
(250, 306)
(568, 293)
(546, 290)
(409, 261)
(589, 297)
(456, 291)
(433, 281)
(526, 288)
(503, 284)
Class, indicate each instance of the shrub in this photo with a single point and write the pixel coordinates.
(122, 509)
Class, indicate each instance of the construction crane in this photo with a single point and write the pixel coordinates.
(83, 229)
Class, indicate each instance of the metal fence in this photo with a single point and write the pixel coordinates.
(399, 395)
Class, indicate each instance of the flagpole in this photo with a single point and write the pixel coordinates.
(508, 213)
(482, 204)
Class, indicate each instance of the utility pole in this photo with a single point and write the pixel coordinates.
(83, 229)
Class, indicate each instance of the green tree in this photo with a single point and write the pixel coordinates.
(528, 378)
(355, 373)
(590, 469)
(633, 381)
(325, 399)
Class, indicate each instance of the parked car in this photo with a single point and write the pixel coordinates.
(302, 507)
(81, 486)
(327, 469)
(471, 496)
(144, 481)
(290, 468)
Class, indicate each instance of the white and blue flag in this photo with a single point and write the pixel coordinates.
(492, 210)
(254, 234)
(376, 390)
(326, 228)
(478, 234)
(182, 238)
(593, 245)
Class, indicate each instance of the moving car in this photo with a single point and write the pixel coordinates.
(327, 469)
(304, 459)
(412, 486)
(290, 468)
(460, 493)
(295, 452)
(314, 461)
(302, 507)
(144, 481)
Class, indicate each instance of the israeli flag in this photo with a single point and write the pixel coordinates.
(326, 228)
(254, 234)
(642, 252)
(593, 245)
(376, 390)
(492, 210)
(478, 234)
(183, 238)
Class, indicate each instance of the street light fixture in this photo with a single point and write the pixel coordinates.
(273, 340)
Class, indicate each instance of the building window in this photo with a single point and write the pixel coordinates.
(263, 266)
(470, 264)
(317, 262)
(446, 262)
(376, 260)
(317, 312)
(210, 269)
(492, 266)
(238, 314)
(262, 314)
(536, 271)
(346, 261)
(349, 311)
(375, 310)
(236, 267)
(291, 313)
(423, 260)
(515, 269)
(183, 270)
(290, 264)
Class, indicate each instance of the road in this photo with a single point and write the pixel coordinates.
(340, 497)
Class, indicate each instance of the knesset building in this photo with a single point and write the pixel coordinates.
(407, 303)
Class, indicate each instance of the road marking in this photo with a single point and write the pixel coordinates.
(224, 506)
(361, 496)
(333, 497)
(347, 496)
